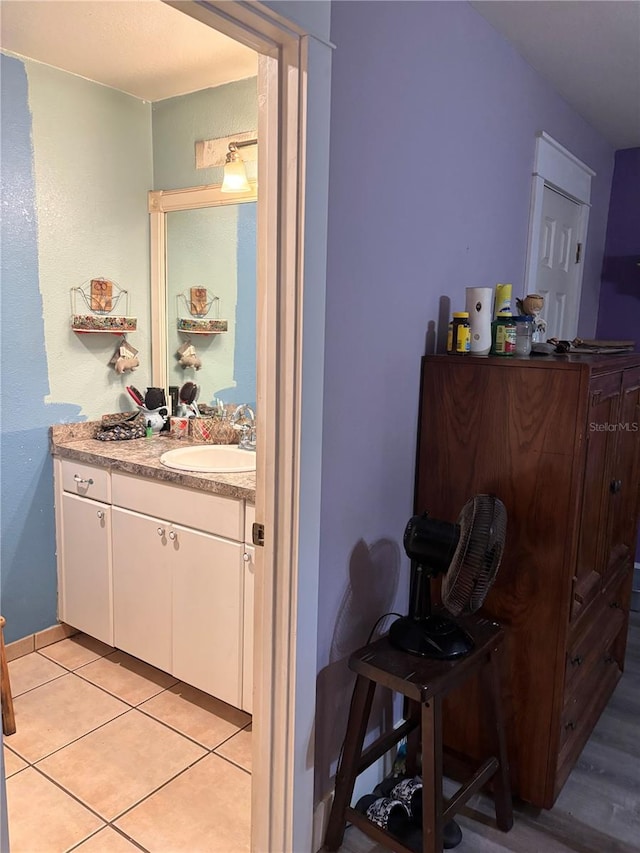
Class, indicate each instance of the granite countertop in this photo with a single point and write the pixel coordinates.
(141, 456)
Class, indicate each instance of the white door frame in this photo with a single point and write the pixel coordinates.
(282, 795)
(558, 168)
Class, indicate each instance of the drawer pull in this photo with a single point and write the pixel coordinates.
(173, 535)
(615, 605)
(577, 660)
(615, 486)
(570, 725)
(100, 514)
(82, 482)
(161, 531)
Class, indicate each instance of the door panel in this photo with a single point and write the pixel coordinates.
(557, 272)
(142, 587)
(86, 580)
(207, 612)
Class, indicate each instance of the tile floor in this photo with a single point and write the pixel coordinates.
(111, 755)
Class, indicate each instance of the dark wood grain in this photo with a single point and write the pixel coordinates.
(521, 429)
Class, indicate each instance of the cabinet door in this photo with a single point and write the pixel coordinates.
(207, 612)
(85, 594)
(247, 642)
(604, 399)
(142, 587)
(624, 480)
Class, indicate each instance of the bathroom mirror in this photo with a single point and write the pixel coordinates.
(203, 270)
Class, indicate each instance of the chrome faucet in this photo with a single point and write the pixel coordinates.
(244, 419)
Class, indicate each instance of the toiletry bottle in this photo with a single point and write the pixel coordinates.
(149, 430)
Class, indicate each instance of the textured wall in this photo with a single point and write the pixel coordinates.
(92, 165)
(433, 123)
(619, 314)
(179, 122)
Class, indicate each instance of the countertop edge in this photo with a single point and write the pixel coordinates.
(76, 449)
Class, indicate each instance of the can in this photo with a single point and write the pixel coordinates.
(503, 335)
(503, 300)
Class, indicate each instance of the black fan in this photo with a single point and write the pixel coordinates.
(469, 553)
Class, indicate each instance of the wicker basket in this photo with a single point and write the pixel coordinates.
(213, 431)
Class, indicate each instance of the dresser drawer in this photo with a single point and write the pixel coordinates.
(199, 510)
(605, 620)
(87, 481)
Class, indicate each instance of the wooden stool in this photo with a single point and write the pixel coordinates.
(8, 717)
(424, 682)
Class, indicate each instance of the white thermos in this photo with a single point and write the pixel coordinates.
(480, 308)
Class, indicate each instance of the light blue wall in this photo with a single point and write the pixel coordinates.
(73, 208)
(179, 122)
(26, 492)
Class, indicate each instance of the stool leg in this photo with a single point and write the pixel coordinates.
(432, 823)
(351, 753)
(501, 780)
(6, 699)
(413, 711)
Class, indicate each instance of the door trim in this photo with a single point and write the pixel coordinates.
(560, 170)
(282, 798)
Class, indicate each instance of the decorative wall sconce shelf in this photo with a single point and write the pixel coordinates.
(100, 297)
(199, 303)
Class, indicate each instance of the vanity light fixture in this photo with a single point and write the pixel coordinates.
(235, 174)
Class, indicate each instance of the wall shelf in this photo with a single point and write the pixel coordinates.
(94, 323)
(194, 326)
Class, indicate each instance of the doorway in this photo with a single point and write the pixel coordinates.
(558, 220)
(283, 81)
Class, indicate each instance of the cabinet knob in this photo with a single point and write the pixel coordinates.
(246, 557)
(577, 660)
(570, 725)
(173, 535)
(615, 605)
(79, 480)
(609, 659)
(615, 486)
(161, 531)
(100, 514)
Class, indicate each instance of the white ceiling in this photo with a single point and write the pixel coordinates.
(588, 49)
(142, 47)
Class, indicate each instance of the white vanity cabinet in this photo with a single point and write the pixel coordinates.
(178, 582)
(162, 572)
(83, 521)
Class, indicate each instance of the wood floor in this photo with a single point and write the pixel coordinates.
(598, 810)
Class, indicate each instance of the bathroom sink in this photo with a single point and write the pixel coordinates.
(210, 459)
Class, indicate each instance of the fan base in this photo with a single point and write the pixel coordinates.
(430, 636)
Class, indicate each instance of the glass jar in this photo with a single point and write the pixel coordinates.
(524, 332)
(503, 335)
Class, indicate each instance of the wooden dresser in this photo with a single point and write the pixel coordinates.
(557, 439)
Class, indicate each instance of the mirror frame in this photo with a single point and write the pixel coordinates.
(161, 202)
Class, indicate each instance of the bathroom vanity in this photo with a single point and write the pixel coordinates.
(157, 562)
